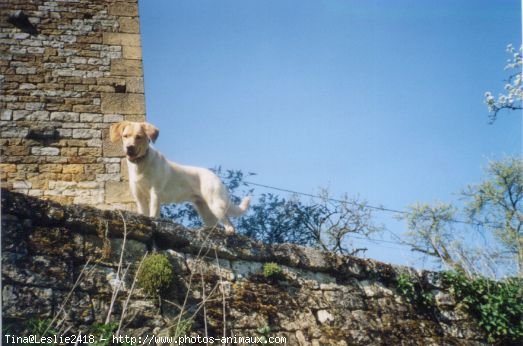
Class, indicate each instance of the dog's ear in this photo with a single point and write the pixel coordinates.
(151, 131)
(115, 131)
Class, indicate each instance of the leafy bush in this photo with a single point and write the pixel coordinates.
(155, 275)
(498, 305)
(405, 285)
(272, 270)
(411, 288)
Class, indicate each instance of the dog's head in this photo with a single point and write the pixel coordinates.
(135, 137)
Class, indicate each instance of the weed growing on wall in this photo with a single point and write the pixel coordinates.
(155, 274)
(40, 328)
(265, 332)
(498, 305)
(272, 270)
(409, 287)
(103, 333)
(183, 328)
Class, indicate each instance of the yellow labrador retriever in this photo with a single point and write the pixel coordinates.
(155, 180)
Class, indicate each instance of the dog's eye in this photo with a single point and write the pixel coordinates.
(125, 136)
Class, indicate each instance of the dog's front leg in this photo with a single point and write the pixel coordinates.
(142, 205)
(154, 205)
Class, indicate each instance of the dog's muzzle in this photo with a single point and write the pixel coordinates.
(132, 155)
(131, 151)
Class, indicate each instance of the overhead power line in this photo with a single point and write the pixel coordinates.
(327, 198)
(378, 208)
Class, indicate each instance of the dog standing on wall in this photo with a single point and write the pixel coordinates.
(154, 180)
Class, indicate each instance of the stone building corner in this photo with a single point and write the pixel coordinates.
(68, 72)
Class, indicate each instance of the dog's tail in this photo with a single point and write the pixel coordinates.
(237, 210)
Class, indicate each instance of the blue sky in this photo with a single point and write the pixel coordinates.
(381, 99)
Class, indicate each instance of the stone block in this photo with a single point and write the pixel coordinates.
(92, 199)
(123, 9)
(73, 168)
(83, 159)
(108, 177)
(34, 106)
(94, 142)
(16, 150)
(129, 25)
(25, 70)
(7, 168)
(69, 151)
(112, 168)
(324, 316)
(86, 133)
(65, 133)
(56, 159)
(14, 132)
(90, 151)
(132, 52)
(97, 61)
(118, 192)
(36, 50)
(6, 114)
(45, 151)
(134, 84)
(65, 116)
(21, 184)
(94, 168)
(86, 108)
(27, 86)
(91, 118)
(123, 103)
(135, 117)
(38, 116)
(20, 115)
(90, 185)
(61, 186)
(112, 118)
(127, 67)
(101, 88)
(121, 39)
(89, 39)
(50, 168)
(39, 184)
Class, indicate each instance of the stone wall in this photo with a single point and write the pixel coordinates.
(322, 299)
(63, 83)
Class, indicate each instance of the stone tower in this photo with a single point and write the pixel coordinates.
(68, 70)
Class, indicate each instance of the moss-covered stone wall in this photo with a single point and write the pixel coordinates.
(62, 261)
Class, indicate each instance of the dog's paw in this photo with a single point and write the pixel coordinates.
(229, 229)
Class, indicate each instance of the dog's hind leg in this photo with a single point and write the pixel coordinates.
(219, 208)
(206, 214)
(229, 228)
